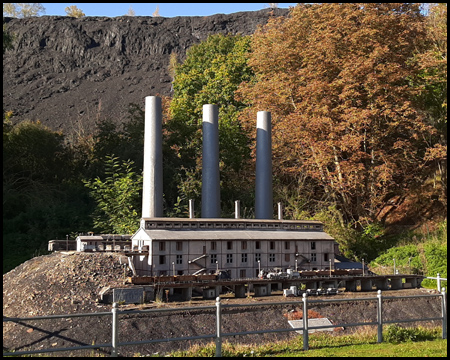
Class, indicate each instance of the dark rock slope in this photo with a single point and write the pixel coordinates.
(67, 72)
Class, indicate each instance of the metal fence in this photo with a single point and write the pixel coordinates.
(438, 279)
(219, 335)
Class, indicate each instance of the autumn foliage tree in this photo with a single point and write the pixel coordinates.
(74, 11)
(338, 81)
(22, 10)
(433, 95)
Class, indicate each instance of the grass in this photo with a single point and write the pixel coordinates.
(425, 343)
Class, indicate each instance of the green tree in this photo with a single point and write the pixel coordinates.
(21, 10)
(117, 197)
(210, 74)
(73, 11)
(34, 154)
(337, 78)
(43, 197)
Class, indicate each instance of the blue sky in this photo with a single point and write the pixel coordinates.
(165, 9)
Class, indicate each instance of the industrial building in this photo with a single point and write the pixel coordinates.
(241, 247)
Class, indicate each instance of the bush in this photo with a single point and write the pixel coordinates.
(396, 334)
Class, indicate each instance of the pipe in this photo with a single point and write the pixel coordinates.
(210, 163)
(263, 183)
(191, 208)
(152, 191)
(280, 211)
(237, 209)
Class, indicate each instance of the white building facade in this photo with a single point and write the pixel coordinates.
(242, 247)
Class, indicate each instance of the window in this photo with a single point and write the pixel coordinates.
(213, 258)
(287, 257)
(325, 257)
(213, 245)
(244, 245)
(162, 259)
(229, 245)
(313, 245)
(179, 246)
(271, 257)
(179, 259)
(242, 273)
(272, 245)
(258, 245)
(287, 245)
(314, 257)
(229, 258)
(244, 258)
(162, 246)
(257, 257)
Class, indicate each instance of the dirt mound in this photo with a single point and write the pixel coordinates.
(63, 283)
(59, 283)
(66, 71)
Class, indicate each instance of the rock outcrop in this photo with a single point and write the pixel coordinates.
(67, 72)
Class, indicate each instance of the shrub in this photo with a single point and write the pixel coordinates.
(396, 334)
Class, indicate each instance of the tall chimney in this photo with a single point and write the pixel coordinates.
(263, 183)
(210, 163)
(152, 191)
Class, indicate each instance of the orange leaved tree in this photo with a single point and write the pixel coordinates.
(338, 81)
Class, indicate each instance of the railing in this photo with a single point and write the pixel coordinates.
(439, 279)
(218, 336)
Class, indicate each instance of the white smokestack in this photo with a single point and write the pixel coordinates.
(152, 192)
(210, 163)
(263, 182)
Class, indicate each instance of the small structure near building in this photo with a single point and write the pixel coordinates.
(342, 263)
(104, 242)
(90, 243)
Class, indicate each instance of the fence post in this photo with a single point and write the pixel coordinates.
(438, 279)
(379, 318)
(114, 352)
(444, 315)
(218, 327)
(305, 321)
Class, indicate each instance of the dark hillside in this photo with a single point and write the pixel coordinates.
(65, 71)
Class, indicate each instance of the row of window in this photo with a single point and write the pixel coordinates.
(287, 245)
(244, 258)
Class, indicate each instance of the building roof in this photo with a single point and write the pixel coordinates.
(89, 238)
(104, 237)
(341, 262)
(234, 235)
(229, 224)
